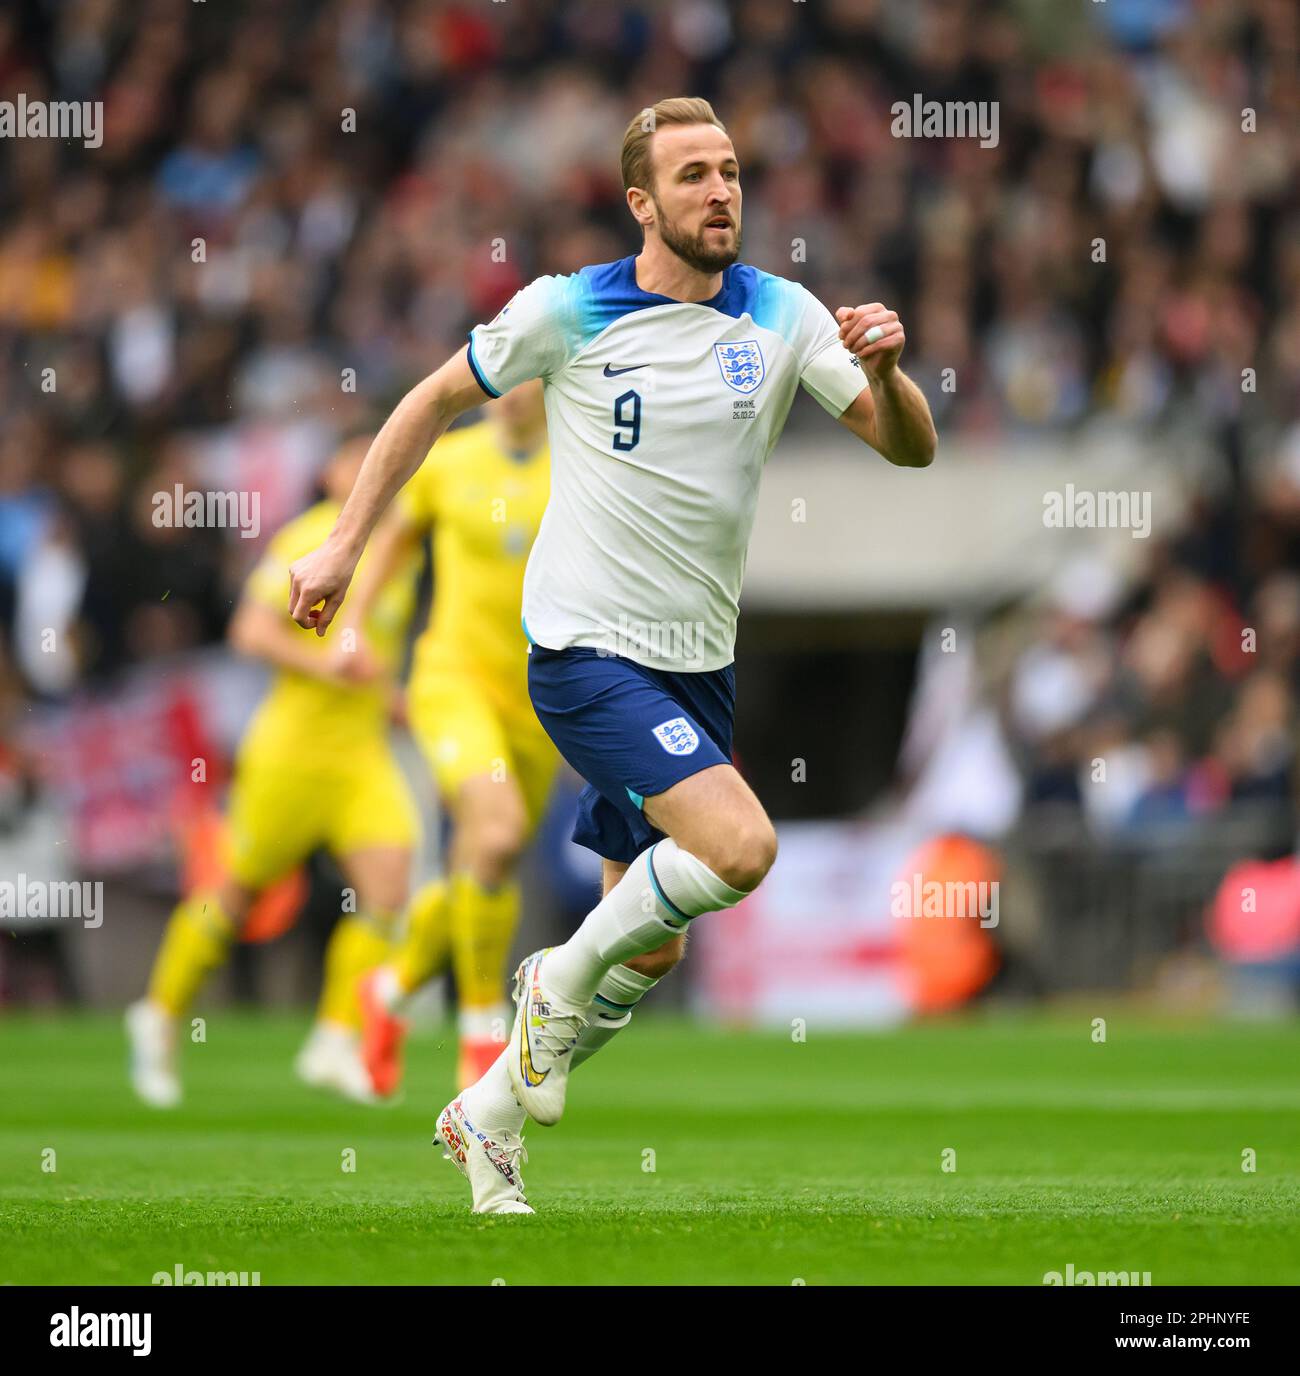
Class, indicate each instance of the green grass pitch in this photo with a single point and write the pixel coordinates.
(773, 1160)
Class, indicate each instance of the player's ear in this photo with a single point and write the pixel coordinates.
(639, 204)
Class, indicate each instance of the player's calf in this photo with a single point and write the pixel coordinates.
(657, 963)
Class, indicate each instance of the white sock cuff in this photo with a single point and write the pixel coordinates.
(485, 1023)
(595, 1036)
(624, 988)
(388, 988)
(685, 884)
(619, 993)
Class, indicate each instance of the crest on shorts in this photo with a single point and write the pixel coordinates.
(741, 361)
(678, 736)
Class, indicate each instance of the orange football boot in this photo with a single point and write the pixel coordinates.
(382, 1035)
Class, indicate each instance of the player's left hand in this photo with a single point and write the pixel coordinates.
(880, 357)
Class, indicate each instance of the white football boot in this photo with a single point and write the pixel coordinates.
(152, 1034)
(331, 1059)
(489, 1162)
(541, 1045)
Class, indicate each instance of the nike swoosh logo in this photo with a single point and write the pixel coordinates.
(611, 371)
(526, 1067)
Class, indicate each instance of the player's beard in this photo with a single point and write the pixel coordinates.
(694, 249)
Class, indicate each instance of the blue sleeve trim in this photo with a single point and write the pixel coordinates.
(637, 799)
(478, 372)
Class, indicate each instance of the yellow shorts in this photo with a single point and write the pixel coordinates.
(467, 727)
(280, 810)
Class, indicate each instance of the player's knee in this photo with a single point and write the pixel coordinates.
(746, 855)
(236, 902)
(492, 850)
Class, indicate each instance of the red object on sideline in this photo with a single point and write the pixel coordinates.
(1256, 912)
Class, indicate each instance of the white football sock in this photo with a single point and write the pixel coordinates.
(654, 901)
(619, 993)
(491, 1104)
(332, 1036)
(486, 1024)
(388, 989)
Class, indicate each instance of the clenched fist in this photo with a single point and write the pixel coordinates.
(879, 354)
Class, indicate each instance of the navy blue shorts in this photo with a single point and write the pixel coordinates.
(631, 732)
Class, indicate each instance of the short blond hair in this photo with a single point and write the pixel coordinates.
(636, 162)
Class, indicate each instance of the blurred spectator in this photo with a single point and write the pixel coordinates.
(298, 209)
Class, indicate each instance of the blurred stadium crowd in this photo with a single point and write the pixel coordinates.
(299, 208)
(484, 152)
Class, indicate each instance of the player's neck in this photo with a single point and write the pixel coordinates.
(521, 444)
(660, 271)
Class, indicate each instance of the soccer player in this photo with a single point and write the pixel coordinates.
(668, 378)
(482, 490)
(335, 785)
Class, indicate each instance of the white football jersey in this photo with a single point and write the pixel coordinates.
(661, 414)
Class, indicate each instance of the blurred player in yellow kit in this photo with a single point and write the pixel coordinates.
(483, 491)
(333, 783)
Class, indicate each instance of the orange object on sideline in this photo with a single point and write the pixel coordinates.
(203, 847)
(947, 959)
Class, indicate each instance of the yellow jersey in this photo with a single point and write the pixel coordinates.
(306, 717)
(485, 506)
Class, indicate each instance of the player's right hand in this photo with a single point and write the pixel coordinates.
(319, 577)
